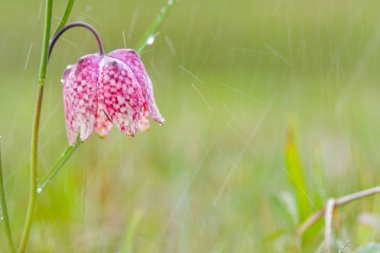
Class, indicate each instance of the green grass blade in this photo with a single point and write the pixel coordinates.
(319, 180)
(285, 205)
(131, 231)
(151, 32)
(296, 177)
(4, 211)
(58, 165)
(66, 14)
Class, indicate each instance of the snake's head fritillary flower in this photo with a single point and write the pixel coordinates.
(104, 90)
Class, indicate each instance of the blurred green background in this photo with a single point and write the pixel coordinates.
(229, 76)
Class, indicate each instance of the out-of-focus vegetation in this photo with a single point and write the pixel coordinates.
(229, 77)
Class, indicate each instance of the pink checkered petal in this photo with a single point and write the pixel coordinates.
(153, 109)
(71, 123)
(133, 61)
(144, 124)
(120, 95)
(102, 124)
(80, 92)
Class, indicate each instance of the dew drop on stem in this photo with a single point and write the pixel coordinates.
(150, 40)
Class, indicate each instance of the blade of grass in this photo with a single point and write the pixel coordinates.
(66, 14)
(296, 177)
(319, 180)
(286, 206)
(4, 211)
(148, 37)
(131, 230)
(58, 165)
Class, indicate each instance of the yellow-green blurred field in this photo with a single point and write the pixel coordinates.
(229, 78)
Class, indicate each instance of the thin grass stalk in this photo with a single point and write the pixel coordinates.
(4, 211)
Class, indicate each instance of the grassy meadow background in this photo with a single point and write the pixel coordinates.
(229, 78)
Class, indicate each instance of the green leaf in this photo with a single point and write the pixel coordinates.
(58, 165)
(286, 207)
(319, 180)
(296, 177)
(66, 15)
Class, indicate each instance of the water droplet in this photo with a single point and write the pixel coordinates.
(39, 190)
(150, 40)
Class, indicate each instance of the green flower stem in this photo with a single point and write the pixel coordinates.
(36, 127)
(152, 30)
(4, 211)
(33, 171)
(37, 116)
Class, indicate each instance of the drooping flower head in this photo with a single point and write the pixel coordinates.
(101, 90)
(104, 90)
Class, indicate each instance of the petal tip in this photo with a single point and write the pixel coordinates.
(159, 119)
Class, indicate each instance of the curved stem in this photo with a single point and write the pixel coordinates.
(328, 224)
(36, 125)
(338, 202)
(76, 24)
